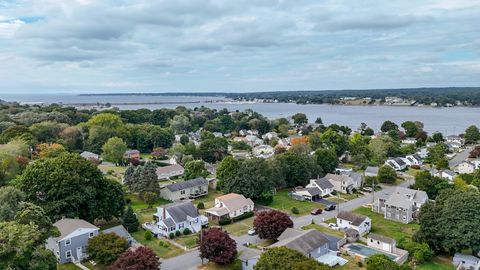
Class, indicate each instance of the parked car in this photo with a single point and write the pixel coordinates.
(367, 189)
(252, 232)
(330, 207)
(333, 226)
(316, 211)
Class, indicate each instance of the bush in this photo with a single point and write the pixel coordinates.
(110, 172)
(416, 167)
(178, 233)
(171, 235)
(148, 235)
(360, 264)
(295, 211)
(200, 205)
(243, 216)
(224, 221)
(187, 231)
(164, 244)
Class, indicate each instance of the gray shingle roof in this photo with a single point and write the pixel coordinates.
(323, 183)
(371, 170)
(300, 240)
(68, 225)
(355, 219)
(118, 230)
(381, 238)
(200, 181)
(249, 253)
(168, 222)
(179, 211)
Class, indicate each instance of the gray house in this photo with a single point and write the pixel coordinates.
(371, 171)
(466, 262)
(189, 189)
(71, 245)
(122, 232)
(402, 206)
(249, 258)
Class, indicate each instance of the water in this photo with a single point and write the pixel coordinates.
(446, 120)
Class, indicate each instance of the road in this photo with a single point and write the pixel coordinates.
(190, 260)
(460, 157)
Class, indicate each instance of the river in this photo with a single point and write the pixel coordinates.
(446, 120)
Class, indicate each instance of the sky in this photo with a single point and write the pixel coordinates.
(93, 46)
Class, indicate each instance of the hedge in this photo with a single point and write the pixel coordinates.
(243, 216)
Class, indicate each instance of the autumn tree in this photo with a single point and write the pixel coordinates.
(105, 248)
(141, 258)
(271, 224)
(216, 245)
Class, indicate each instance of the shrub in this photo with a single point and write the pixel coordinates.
(360, 264)
(171, 235)
(224, 221)
(295, 211)
(243, 216)
(187, 231)
(178, 233)
(200, 205)
(110, 172)
(164, 244)
(148, 235)
(416, 167)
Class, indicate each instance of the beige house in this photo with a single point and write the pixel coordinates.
(230, 206)
(381, 242)
(341, 183)
(169, 171)
(189, 189)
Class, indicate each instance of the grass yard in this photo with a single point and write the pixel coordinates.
(236, 265)
(189, 241)
(141, 208)
(113, 172)
(240, 227)
(348, 197)
(438, 263)
(283, 202)
(324, 230)
(91, 267)
(351, 265)
(161, 247)
(386, 227)
(68, 266)
(208, 200)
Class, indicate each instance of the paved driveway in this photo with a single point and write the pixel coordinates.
(323, 201)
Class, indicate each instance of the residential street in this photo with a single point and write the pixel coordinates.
(190, 260)
(460, 157)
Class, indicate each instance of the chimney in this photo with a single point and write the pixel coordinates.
(164, 213)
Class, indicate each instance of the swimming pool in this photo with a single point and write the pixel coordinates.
(366, 251)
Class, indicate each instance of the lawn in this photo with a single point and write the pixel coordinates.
(240, 227)
(324, 230)
(141, 208)
(437, 263)
(283, 202)
(236, 265)
(351, 265)
(113, 172)
(68, 266)
(386, 227)
(189, 241)
(164, 251)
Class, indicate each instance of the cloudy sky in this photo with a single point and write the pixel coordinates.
(253, 45)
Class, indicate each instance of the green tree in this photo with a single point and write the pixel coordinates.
(437, 137)
(47, 131)
(386, 174)
(436, 156)
(71, 186)
(326, 159)
(71, 138)
(180, 124)
(184, 139)
(381, 262)
(300, 118)
(213, 150)
(50, 150)
(472, 134)
(145, 179)
(410, 128)
(283, 258)
(10, 199)
(333, 140)
(388, 126)
(130, 221)
(380, 148)
(114, 149)
(296, 169)
(227, 169)
(105, 248)
(102, 127)
(194, 169)
(432, 185)
(29, 213)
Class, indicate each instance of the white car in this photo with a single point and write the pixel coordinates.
(333, 226)
(252, 232)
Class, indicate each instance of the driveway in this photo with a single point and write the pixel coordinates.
(323, 201)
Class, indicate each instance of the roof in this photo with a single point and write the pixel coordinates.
(200, 181)
(449, 172)
(405, 197)
(354, 175)
(169, 168)
(300, 240)
(68, 225)
(399, 161)
(336, 177)
(467, 258)
(371, 170)
(118, 230)
(381, 238)
(86, 154)
(323, 183)
(312, 191)
(249, 253)
(130, 152)
(179, 211)
(355, 219)
(169, 222)
(234, 201)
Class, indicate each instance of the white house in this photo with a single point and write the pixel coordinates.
(175, 217)
(445, 174)
(263, 151)
(188, 189)
(396, 163)
(465, 167)
(253, 140)
(270, 136)
(341, 183)
(349, 220)
(466, 262)
(323, 185)
(230, 206)
(413, 160)
(381, 242)
(409, 141)
(455, 139)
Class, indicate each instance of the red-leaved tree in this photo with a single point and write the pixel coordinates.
(270, 224)
(141, 258)
(217, 246)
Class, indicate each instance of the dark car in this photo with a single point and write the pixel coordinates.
(316, 211)
(330, 207)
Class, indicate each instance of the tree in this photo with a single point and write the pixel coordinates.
(145, 179)
(130, 221)
(158, 153)
(283, 258)
(386, 174)
(180, 124)
(50, 150)
(472, 134)
(194, 169)
(299, 118)
(105, 248)
(29, 213)
(419, 252)
(71, 138)
(381, 147)
(47, 131)
(226, 170)
(319, 121)
(388, 126)
(102, 127)
(296, 169)
(450, 223)
(432, 185)
(333, 140)
(326, 159)
(254, 179)
(381, 262)
(10, 199)
(436, 156)
(437, 137)
(128, 176)
(114, 149)
(71, 186)
(141, 258)
(213, 150)
(410, 128)
(271, 224)
(217, 246)
(184, 139)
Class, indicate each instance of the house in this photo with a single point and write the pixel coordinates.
(466, 262)
(312, 243)
(90, 156)
(453, 146)
(230, 206)
(455, 139)
(188, 189)
(371, 171)
(306, 194)
(249, 257)
(465, 167)
(270, 136)
(381, 242)
(409, 141)
(263, 151)
(131, 154)
(341, 183)
(253, 140)
(445, 174)
(71, 245)
(403, 205)
(413, 160)
(217, 134)
(349, 220)
(175, 217)
(169, 171)
(323, 185)
(430, 144)
(423, 152)
(122, 232)
(357, 178)
(397, 164)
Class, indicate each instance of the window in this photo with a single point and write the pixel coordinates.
(172, 228)
(90, 235)
(68, 254)
(181, 225)
(182, 192)
(68, 242)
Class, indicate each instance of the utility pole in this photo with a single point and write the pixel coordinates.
(373, 193)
